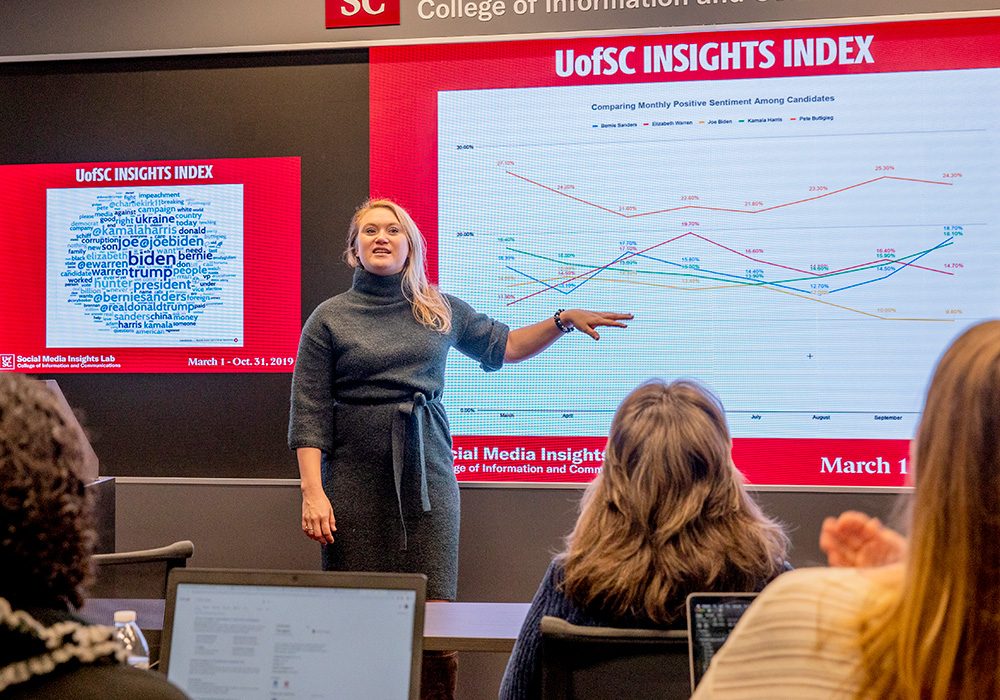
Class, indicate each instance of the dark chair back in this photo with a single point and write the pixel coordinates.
(139, 574)
(605, 663)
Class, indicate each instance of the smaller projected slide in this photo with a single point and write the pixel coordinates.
(118, 277)
(150, 267)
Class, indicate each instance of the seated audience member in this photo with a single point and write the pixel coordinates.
(925, 628)
(667, 516)
(856, 539)
(45, 539)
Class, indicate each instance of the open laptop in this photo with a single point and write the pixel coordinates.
(711, 617)
(292, 635)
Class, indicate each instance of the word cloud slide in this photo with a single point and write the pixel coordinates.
(151, 267)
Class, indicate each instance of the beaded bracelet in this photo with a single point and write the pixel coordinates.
(559, 323)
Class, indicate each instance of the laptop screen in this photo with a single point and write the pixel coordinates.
(293, 635)
(711, 617)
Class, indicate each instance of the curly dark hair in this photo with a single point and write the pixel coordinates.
(45, 527)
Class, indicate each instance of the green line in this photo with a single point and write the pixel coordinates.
(748, 283)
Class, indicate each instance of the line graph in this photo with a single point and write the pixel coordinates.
(761, 210)
(783, 291)
(896, 264)
(603, 267)
(795, 266)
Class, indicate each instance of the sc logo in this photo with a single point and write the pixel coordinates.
(361, 13)
(358, 4)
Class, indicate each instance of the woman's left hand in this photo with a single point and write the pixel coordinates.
(585, 321)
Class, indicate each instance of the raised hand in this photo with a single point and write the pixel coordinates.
(858, 540)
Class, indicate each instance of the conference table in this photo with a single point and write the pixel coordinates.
(490, 627)
(473, 626)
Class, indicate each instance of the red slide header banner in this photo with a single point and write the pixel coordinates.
(404, 121)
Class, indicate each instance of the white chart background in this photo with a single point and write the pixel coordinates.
(797, 267)
(220, 324)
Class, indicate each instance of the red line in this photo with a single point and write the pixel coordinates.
(550, 189)
(739, 211)
(886, 261)
(763, 262)
(929, 269)
(596, 270)
(851, 187)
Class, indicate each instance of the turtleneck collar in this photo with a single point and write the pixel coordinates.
(384, 287)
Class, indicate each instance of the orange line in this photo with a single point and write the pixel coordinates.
(596, 270)
(807, 297)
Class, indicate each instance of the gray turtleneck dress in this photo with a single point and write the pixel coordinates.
(366, 391)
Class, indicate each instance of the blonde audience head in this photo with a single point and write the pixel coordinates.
(668, 515)
(936, 635)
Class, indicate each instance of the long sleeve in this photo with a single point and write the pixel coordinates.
(478, 336)
(523, 678)
(311, 419)
(800, 640)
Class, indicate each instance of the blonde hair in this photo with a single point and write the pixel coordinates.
(668, 514)
(430, 306)
(936, 635)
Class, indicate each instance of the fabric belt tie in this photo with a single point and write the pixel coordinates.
(409, 413)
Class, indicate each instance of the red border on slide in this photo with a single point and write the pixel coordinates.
(763, 461)
(404, 82)
(271, 266)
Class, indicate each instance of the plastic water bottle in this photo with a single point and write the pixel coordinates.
(130, 636)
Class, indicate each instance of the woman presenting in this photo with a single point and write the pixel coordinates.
(370, 434)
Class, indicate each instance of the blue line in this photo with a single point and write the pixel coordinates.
(908, 263)
(592, 275)
(900, 267)
(536, 280)
(756, 282)
(599, 271)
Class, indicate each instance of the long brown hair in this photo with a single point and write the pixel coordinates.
(430, 306)
(937, 634)
(668, 514)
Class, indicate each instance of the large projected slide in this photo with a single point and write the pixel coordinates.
(801, 219)
(173, 266)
